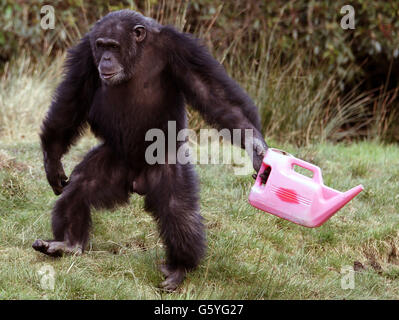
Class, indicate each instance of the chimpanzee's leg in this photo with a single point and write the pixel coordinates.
(100, 181)
(172, 197)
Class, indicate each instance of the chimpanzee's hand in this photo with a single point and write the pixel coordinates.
(55, 175)
(259, 151)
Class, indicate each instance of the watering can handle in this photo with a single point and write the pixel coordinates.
(315, 169)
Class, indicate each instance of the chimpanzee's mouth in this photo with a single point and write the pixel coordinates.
(108, 75)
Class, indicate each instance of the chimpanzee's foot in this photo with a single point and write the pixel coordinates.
(55, 248)
(173, 277)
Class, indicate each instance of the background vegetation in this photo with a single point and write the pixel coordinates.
(315, 85)
(311, 79)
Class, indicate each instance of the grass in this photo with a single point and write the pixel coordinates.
(251, 255)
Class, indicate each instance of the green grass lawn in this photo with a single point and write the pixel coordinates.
(251, 255)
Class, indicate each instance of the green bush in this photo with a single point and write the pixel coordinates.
(254, 35)
(313, 25)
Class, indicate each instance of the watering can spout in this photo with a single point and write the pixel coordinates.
(350, 194)
(337, 202)
(334, 201)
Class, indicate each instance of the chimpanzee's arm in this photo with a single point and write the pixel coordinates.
(208, 88)
(68, 112)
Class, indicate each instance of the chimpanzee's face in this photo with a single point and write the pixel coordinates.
(115, 49)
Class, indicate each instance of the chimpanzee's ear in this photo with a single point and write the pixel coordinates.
(139, 32)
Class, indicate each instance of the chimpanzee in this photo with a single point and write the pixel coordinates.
(130, 74)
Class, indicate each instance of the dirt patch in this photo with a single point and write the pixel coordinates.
(8, 162)
(129, 246)
(372, 260)
(393, 256)
(358, 266)
(137, 244)
(378, 255)
(376, 266)
(214, 225)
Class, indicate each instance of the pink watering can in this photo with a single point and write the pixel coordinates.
(282, 191)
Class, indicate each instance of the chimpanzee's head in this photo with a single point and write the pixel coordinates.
(116, 41)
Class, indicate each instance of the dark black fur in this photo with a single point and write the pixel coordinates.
(161, 69)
